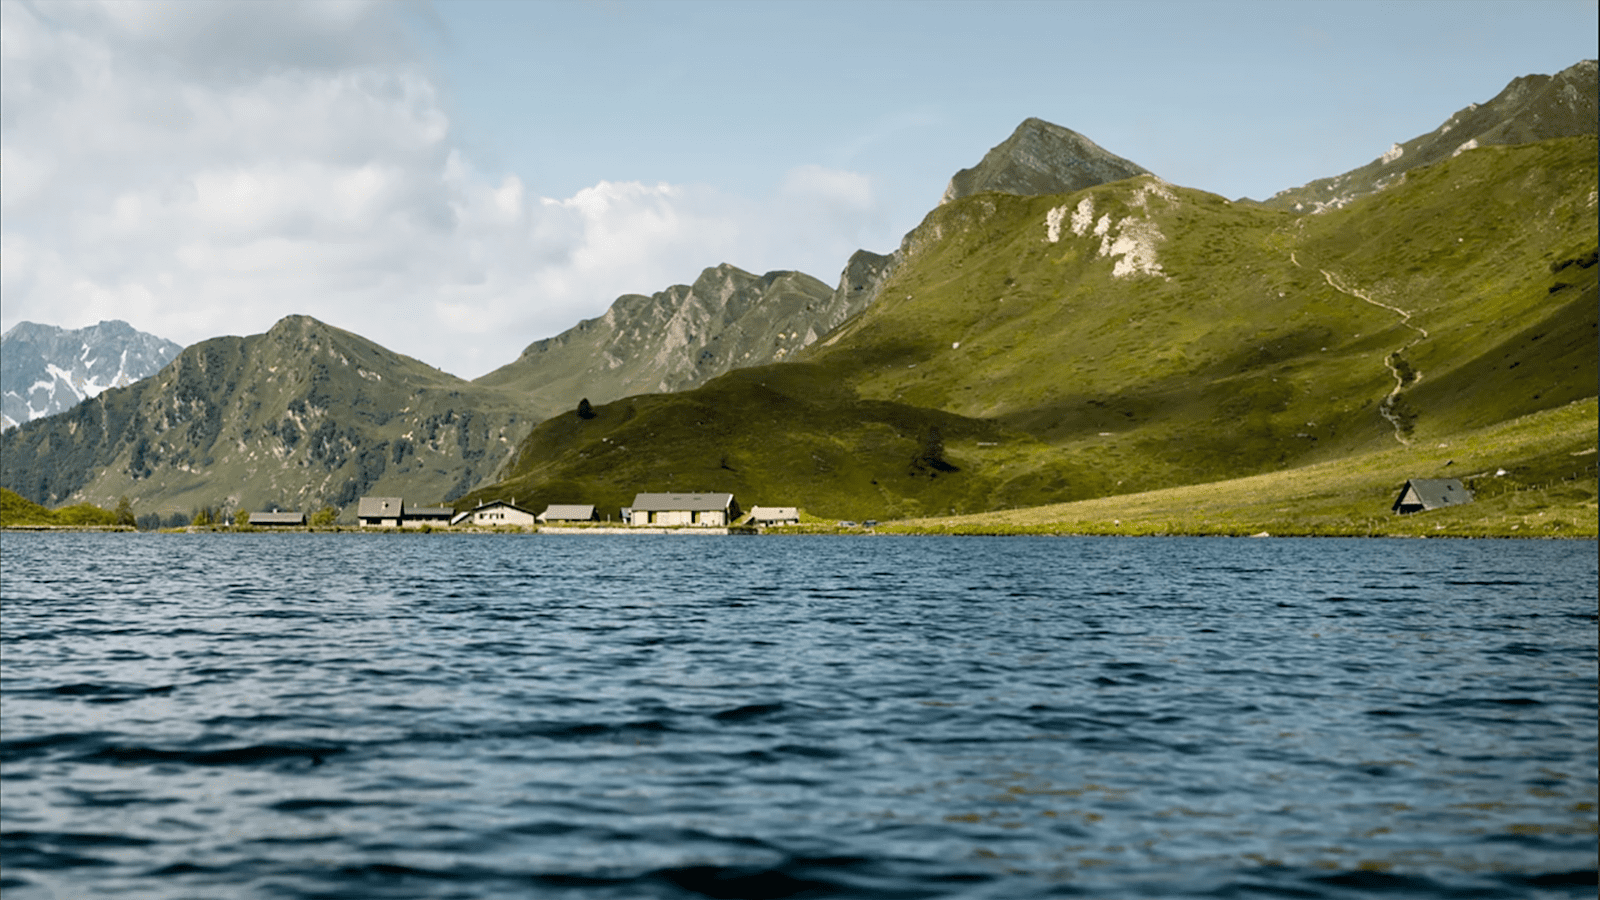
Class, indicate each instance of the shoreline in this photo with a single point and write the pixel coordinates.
(883, 530)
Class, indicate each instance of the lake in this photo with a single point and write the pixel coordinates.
(484, 716)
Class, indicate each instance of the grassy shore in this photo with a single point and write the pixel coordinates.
(1532, 477)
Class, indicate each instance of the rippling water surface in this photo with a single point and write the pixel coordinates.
(432, 716)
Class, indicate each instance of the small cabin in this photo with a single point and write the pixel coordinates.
(278, 519)
(431, 516)
(1422, 494)
(392, 512)
(379, 512)
(569, 512)
(774, 515)
(496, 513)
(691, 510)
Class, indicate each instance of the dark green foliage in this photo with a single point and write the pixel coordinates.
(585, 411)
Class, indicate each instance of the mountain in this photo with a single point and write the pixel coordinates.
(302, 416)
(676, 339)
(1041, 158)
(1530, 108)
(1136, 335)
(1038, 158)
(45, 370)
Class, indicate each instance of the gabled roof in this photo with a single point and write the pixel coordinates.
(501, 504)
(774, 512)
(380, 508)
(1432, 493)
(277, 518)
(429, 512)
(570, 511)
(692, 502)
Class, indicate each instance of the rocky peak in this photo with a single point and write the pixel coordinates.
(1041, 158)
(1530, 108)
(674, 339)
(45, 369)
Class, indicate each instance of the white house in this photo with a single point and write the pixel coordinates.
(498, 512)
(692, 510)
(774, 515)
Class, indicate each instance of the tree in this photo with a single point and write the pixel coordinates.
(930, 459)
(202, 518)
(241, 518)
(124, 512)
(324, 517)
(585, 411)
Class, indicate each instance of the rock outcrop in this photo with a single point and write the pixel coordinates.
(676, 339)
(1041, 158)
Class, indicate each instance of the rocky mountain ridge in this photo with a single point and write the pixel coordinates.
(306, 415)
(301, 417)
(676, 339)
(1041, 158)
(1530, 108)
(45, 369)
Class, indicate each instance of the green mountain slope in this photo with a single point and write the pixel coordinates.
(302, 416)
(1137, 335)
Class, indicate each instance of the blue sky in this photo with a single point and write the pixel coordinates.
(455, 180)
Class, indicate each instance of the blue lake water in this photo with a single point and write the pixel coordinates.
(472, 716)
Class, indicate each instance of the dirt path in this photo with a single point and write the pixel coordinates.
(1393, 362)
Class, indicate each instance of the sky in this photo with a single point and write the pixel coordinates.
(456, 180)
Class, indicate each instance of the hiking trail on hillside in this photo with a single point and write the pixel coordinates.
(1391, 408)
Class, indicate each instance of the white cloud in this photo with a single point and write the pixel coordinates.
(207, 168)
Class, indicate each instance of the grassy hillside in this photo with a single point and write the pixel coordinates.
(17, 511)
(303, 416)
(1138, 336)
(1534, 476)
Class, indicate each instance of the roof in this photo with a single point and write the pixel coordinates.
(277, 518)
(692, 502)
(579, 511)
(1433, 493)
(774, 512)
(430, 512)
(379, 507)
(500, 504)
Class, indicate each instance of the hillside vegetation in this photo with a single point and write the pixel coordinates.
(1139, 336)
(303, 416)
(17, 511)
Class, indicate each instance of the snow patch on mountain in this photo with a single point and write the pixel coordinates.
(45, 370)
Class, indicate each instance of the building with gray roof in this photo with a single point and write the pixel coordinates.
(1421, 494)
(692, 510)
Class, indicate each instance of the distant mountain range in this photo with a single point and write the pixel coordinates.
(1064, 325)
(45, 370)
(1531, 108)
(676, 339)
(302, 416)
